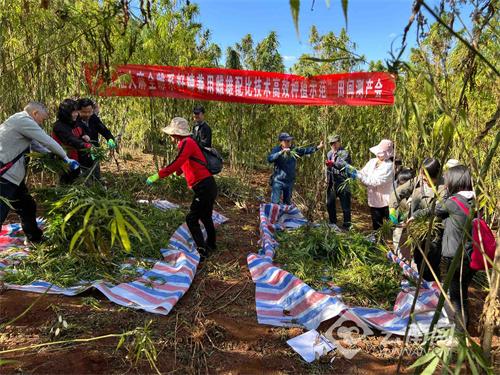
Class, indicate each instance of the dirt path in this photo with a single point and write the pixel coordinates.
(213, 328)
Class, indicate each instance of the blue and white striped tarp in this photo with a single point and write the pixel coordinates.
(284, 300)
(156, 290)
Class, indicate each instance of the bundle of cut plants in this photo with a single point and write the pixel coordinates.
(90, 234)
(320, 256)
(419, 229)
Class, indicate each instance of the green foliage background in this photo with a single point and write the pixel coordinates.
(43, 46)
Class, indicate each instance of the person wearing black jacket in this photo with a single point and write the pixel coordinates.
(201, 131)
(93, 123)
(73, 137)
(336, 180)
(93, 127)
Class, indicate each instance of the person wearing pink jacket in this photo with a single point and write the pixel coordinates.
(378, 176)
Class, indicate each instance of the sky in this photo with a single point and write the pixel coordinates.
(372, 24)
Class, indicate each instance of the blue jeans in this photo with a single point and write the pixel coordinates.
(277, 188)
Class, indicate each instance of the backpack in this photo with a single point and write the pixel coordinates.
(482, 237)
(214, 159)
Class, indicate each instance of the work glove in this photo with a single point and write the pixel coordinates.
(152, 179)
(393, 215)
(111, 144)
(351, 171)
(73, 164)
(329, 163)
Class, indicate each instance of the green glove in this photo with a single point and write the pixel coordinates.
(152, 179)
(393, 215)
(111, 144)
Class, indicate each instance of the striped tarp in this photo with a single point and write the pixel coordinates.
(161, 204)
(284, 300)
(156, 290)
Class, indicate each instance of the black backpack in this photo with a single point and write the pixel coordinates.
(214, 159)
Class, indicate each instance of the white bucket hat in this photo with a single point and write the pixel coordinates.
(178, 126)
(384, 147)
(451, 163)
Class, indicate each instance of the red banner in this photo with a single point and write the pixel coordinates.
(245, 86)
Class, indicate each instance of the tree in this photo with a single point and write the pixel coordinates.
(267, 56)
(232, 59)
(247, 52)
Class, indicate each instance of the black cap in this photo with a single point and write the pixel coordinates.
(285, 137)
(198, 109)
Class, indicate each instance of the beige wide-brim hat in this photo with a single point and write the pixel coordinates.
(178, 126)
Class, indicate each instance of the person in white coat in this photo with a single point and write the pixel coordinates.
(378, 176)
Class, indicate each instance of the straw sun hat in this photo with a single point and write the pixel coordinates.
(178, 126)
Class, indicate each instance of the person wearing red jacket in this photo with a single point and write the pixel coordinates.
(73, 137)
(191, 162)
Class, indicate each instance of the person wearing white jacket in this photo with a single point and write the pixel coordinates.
(378, 176)
(17, 134)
